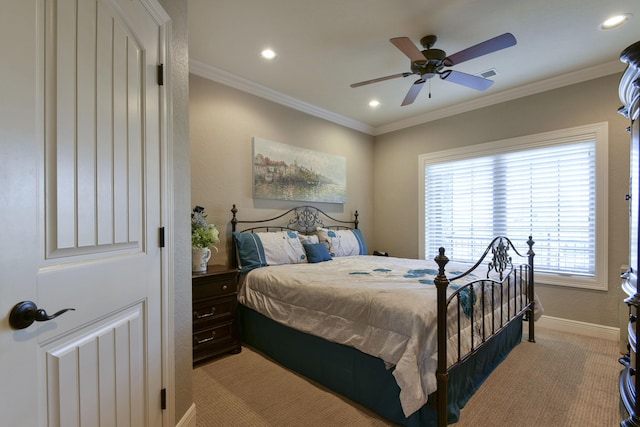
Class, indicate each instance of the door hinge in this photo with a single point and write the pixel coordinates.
(161, 237)
(163, 398)
(160, 74)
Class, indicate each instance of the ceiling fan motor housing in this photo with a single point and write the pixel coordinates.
(434, 55)
(432, 65)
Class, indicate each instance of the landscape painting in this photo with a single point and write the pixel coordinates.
(286, 172)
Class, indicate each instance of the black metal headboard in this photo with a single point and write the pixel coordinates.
(303, 219)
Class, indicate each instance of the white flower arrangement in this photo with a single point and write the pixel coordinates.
(203, 235)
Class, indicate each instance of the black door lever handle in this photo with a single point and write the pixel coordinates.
(25, 313)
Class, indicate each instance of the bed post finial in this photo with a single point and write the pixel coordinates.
(355, 221)
(441, 260)
(442, 376)
(234, 220)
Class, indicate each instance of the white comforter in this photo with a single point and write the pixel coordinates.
(383, 306)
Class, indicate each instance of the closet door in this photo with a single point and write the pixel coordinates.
(80, 188)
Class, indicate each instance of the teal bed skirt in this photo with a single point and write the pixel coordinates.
(364, 378)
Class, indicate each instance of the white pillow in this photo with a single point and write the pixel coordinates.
(342, 242)
(282, 247)
(255, 250)
(308, 239)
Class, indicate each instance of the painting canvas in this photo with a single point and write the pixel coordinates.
(286, 172)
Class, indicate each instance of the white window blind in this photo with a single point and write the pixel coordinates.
(549, 191)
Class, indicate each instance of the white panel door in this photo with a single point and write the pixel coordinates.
(80, 188)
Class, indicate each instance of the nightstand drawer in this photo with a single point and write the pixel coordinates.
(213, 310)
(212, 336)
(215, 341)
(213, 286)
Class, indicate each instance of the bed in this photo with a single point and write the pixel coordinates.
(411, 340)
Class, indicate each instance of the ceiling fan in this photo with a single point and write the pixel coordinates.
(431, 62)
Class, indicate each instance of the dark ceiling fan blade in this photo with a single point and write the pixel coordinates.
(380, 79)
(468, 80)
(408, 48)
(414, 90)
(492, 45)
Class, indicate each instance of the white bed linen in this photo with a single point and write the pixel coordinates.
(382, 306)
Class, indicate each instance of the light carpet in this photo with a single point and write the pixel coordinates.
(561, 380)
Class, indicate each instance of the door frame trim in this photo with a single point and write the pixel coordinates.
(167, 219)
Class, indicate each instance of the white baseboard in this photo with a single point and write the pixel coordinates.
(189, 418)
(580, 328)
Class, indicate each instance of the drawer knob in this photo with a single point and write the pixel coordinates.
(225, 287)
(198, 341)
(203, 316)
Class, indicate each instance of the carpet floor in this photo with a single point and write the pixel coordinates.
(562, 380)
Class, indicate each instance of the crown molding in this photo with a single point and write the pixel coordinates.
(231, 80)
(507, 95)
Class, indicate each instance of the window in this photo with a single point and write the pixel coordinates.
(551, 186)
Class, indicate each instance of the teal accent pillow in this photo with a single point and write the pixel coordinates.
(316, 252)
(250, 251)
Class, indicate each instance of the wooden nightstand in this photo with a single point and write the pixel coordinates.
(215, 305)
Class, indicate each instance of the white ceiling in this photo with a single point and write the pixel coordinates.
(325, 45)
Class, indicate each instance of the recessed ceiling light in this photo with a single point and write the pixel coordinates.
(615, 21)
(374, 103)
(268, 54)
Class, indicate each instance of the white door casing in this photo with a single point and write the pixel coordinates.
(81, 188)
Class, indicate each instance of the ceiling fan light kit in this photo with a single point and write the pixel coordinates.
(432, 62)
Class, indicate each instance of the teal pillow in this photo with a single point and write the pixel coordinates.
(317, 252)
(250, 251)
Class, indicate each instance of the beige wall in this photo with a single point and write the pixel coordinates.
(223, 122)
(383, 171)
(396, 166)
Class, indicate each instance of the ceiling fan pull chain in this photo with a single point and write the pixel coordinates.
(429, 88)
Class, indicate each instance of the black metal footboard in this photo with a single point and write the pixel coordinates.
(477, 312)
